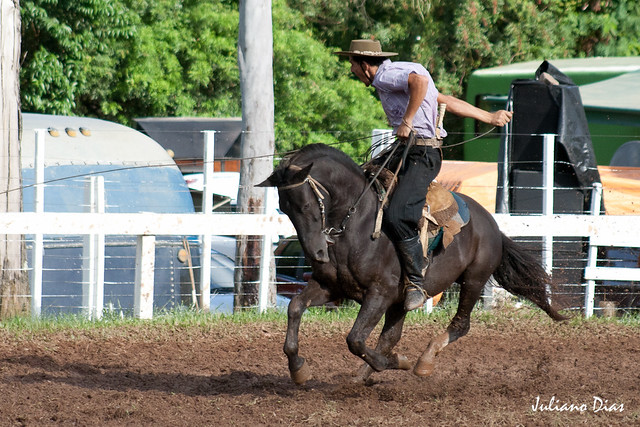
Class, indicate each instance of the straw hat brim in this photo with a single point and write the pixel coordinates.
(365, 53)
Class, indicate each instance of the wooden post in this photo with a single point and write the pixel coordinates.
(548, 171)
(37, 257)
(267, 265)
(255, 50)
(207, 205)
(145, 268)
(93, 252)
(592, 253)
(14, 286)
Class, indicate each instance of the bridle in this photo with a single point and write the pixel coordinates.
(316, 186)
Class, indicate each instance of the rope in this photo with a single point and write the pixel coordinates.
(277, 154)
(470, 140)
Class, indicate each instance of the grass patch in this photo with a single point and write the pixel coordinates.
(188, 318)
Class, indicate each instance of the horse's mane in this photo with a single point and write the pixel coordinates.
(313, 152)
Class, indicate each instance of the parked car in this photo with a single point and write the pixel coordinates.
(222, 277)
(292, 268)
(292, 273)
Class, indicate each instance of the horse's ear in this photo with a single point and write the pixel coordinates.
(301, 175)
(276, 179)
(273, 180)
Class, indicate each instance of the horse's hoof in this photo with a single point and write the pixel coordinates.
(362, 374)
(424, 369)
(302, 375)
(403, 363)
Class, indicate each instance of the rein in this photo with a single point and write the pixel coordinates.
(316, 186)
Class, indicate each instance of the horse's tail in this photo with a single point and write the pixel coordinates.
(521, 274)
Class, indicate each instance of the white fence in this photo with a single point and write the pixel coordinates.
(618, 231)
(95, 225)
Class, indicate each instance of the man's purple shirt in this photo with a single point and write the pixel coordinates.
(392, 84)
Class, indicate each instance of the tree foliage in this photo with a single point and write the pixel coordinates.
(179, 58)
(181, 62)
(70, 48)
(121, 59)
(454, 38)
(317, 100)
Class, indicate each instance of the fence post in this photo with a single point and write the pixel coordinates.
(38, 243)
(267, 254)
(380, 140)
(592, 254)
(503, 163)
(145, 267)
(207, 204)
(547, 195)
(428, 305)
(93, 253)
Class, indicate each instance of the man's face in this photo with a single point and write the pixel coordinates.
(358, 68)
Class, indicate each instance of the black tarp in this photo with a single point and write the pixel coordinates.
(543, 107)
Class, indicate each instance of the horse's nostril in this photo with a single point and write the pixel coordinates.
(321, 256)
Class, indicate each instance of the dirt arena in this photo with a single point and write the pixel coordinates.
(511, 370)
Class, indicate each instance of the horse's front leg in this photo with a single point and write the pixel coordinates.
(373, 307)
(311, 295)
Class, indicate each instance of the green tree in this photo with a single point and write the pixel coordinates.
(123, 59)
(452, 39)
(181, 62)
(179, 58)
(317, 100)
(70, 48)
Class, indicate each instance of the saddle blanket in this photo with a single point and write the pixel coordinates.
(443, 230)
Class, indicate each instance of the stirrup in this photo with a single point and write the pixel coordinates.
(410, 302)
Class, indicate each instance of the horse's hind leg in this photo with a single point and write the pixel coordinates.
(469, 294)
(389, 337)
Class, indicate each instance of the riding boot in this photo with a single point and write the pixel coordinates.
(414, 264)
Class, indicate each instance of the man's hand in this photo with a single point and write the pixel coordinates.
(501, 117)
(403, 131)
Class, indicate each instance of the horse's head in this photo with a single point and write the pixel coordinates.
(301, 198)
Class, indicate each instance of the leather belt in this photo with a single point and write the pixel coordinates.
(429, 142)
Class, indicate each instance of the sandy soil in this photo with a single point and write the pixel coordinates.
(523, 371)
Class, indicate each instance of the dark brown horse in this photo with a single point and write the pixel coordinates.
(327, 197)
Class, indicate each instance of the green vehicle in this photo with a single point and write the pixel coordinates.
(609, 88)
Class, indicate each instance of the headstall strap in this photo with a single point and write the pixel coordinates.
(316, 186)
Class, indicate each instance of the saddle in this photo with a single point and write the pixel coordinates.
(443, 216)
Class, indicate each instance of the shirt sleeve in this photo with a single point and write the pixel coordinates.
(395, 79)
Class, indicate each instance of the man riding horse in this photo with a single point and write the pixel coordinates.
(410, 100)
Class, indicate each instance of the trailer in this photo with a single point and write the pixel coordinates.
(139, 176)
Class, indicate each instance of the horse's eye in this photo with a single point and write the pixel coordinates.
(306, 207)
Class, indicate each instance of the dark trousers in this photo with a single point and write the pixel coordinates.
(404, 211)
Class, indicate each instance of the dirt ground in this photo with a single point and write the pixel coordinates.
(522, 371)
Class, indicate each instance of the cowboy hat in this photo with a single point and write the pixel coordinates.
(365, 48)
